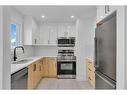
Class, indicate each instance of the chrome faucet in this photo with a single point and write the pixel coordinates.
(15, 57)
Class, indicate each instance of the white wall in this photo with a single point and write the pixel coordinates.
(120, 47)
(1, 47)
(85, 44)
(4, 49)
(45, 51)
(126, 48)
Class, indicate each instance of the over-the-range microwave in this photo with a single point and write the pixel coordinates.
(66, 41)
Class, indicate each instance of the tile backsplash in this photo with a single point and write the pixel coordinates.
(28, 52)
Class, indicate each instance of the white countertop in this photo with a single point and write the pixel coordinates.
(17, 67)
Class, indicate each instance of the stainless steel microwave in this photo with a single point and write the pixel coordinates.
(66, 41)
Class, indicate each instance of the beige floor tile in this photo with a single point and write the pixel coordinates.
(70, 84)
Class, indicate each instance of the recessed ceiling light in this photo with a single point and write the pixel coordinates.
(101, 16)
(43, 16)
(72, 16)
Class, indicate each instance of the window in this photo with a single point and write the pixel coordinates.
(16, 35)
(13, 35)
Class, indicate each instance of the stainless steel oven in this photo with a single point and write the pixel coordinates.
(66, 60)
(66, 69)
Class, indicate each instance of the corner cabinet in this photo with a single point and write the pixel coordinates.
(44, 67)
(103, 11)
(31, 31)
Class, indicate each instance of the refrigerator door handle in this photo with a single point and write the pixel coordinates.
(108, 82)
(96, 64)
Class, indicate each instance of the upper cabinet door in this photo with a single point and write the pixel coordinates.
(53, 34)
(35, 32)
(27, 30)
(30, 31)
(61, 30)
(103, 11)
(66, 30)
(100, 13)
(112, 8)
(44, 34)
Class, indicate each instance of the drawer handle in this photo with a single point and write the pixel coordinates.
(90, 69)
(90, 78)
(90, 62)
(40, 68)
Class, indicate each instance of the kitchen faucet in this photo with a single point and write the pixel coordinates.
(15, 57)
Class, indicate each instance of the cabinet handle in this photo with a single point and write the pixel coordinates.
(105, 9)
(48, 41)
(34, 67)
(40, 68)
(90, 78)
(56, 65)
(108, 8)
(35, 41)
(90, 69)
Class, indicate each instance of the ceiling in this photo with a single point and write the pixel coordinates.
(57, 13)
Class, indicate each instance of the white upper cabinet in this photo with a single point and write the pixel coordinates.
(103, 11)
(31, 31)
(53, 34)
(48, 34)
(66, 30)
(100, 12)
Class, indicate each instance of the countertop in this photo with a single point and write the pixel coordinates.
(17, 67)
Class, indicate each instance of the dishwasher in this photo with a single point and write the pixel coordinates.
(19, 79)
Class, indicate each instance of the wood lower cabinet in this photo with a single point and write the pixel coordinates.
(30, 84)
(45, 67)
(34, 74)
(49, 67)
(52, 69)
(90, 71)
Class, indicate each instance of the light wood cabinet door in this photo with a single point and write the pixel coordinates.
(32, 76)
(45, 67)
(49, 68)
(90, 72)
(52, 70)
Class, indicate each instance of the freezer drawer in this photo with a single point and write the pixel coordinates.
(103, 82)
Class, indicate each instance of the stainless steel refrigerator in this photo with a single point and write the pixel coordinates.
(105, 53)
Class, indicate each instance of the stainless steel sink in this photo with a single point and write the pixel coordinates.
(22, 61)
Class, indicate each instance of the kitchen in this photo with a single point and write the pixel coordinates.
(47, 36)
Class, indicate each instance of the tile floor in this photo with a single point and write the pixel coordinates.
(70, 84)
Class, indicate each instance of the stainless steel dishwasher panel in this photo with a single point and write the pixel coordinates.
(19, 79)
